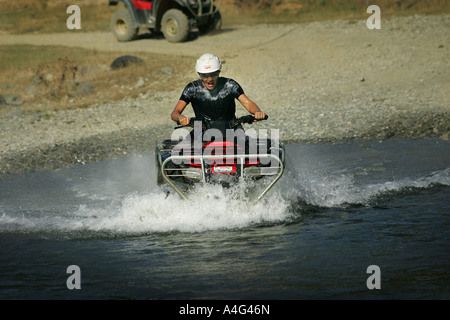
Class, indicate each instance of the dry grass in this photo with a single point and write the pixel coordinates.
(51, 80)
(299, 11)
(30, 16)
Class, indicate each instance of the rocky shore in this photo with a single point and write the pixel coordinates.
(319, 82)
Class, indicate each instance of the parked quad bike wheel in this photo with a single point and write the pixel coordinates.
(175, 26)
(122, 26)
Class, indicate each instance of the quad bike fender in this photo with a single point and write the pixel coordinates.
(162, 6)
(130, 7)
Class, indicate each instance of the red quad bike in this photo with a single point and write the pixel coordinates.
(174, 18)
(215, 158)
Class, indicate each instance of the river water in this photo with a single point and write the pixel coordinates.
(338, 209)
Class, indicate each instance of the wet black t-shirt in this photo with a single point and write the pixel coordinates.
(216, 104)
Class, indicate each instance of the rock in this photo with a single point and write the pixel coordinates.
(37, 80)
(140, 83)
(166, 70)
(32, 90)
(84, 72)
(2, 101)
(14, 101)
(49, 77)
(85, 89)
(125, 61)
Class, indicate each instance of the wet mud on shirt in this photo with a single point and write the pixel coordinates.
(216, 104)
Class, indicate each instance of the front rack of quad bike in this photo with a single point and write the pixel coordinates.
(170, 173)
(196, 7)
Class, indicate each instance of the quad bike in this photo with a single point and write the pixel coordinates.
(174, 18)
(213, 159)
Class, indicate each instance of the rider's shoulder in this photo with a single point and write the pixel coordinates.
(229, 81)
(192, 86)
(195, 83)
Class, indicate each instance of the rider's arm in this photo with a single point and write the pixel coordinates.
(251, 106)
(176, 113)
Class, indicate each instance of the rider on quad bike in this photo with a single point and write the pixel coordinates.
(213, 97)
(217, 150)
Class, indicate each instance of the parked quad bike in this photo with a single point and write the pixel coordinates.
(181, 164)
(174, 18)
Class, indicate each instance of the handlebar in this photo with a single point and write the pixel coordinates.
(248, 119)
(244, 119)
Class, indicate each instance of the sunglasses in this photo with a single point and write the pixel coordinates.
(207, 75)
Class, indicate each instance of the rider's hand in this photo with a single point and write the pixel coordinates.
(184, 121)
(259, 115)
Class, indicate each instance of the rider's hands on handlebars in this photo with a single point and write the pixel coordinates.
(259, 115)
(183, 120)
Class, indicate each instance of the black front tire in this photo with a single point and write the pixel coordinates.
(175, 26)
(123, 26)
(215, 24)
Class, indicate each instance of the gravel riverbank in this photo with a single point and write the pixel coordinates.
(319, 82)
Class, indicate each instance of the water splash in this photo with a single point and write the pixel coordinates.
(326, 189)
(119, 201)
(211, 208)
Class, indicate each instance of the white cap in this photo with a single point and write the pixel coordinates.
(208, 63)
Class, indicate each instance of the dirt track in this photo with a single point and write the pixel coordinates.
(318, 81)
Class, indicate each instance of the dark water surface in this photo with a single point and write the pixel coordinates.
(339, 209)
